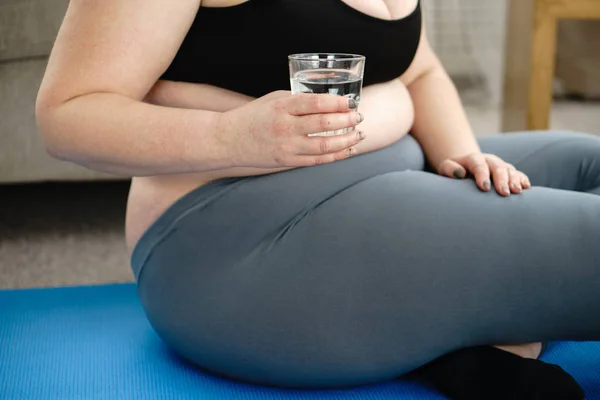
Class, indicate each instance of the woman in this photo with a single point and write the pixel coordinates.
(270, 256)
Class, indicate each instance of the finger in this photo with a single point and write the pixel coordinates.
(316, 123)
(309, 161)
(477, 165)
(514, 181)
(525, 181)
(500, 177)
(520, 179)
(317, 145)
(310, 103)
(452, 169)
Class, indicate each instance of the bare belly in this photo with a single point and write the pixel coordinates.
(388, 112)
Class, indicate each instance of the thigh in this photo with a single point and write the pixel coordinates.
(406, 266)
(431, 252)
(379, 279)
(319, 182)
(561, 160)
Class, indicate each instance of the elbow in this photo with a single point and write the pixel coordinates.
(48, 128)
(55, 153)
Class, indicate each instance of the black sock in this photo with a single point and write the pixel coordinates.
(488, 373)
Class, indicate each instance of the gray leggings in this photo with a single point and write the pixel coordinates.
(365, 269)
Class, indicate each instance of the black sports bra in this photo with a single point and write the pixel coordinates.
(244, 48)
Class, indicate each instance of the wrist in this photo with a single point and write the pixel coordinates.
(455, 155)
(207, 147)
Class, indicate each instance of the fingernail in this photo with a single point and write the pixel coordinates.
(351, 151)
(459, 173)
(352, 104)
(486, 185)
(505, 189)
(361, 135)
(359, 117)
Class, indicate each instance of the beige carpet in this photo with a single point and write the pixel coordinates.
(63, 234)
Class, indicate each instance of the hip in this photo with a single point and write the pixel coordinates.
(389, 117)
(240, 213)
(149, 197)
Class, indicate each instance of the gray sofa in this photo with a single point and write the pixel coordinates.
(27, 32)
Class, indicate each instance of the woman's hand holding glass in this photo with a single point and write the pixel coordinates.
(272, 131)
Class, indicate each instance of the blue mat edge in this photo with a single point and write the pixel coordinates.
(129, 288)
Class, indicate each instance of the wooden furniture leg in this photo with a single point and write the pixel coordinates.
(530, 58)
(531, 51)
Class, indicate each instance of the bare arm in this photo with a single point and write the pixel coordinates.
(106, 58)
(442, 128)
(441, 125)
(195, 96)
(387, 108)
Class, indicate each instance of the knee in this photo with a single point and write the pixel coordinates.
(585, 144)
(578, 142)
(566, 134)
(406, 154)
(583, 150)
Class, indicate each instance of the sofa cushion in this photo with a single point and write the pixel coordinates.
(23, 157)
(28, 27)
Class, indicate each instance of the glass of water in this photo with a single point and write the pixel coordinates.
(339, 74)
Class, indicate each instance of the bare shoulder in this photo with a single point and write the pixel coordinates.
(115, 46)
(425, 60)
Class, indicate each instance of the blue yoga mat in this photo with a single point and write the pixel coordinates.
(94, 342)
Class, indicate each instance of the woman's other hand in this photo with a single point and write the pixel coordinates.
(486, 168)
(272, 131)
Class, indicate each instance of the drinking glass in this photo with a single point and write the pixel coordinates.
(339, 74)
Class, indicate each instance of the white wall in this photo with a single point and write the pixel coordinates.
(469, 38)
